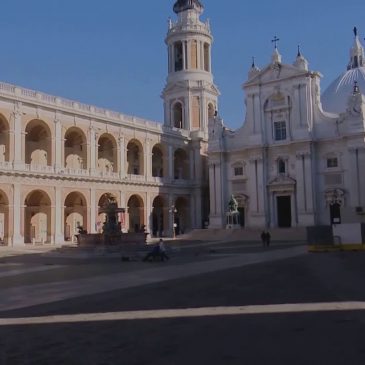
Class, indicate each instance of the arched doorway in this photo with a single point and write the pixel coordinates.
(107, 154)
(158, 217)
(136, 213)
(4, 140)
(103, 202)
(4, 218)
(135, 158)
(37, 220)
(182, 216)
(38, 143)
(75, 149)
(75, 215)
(181, 165)
(157, 161)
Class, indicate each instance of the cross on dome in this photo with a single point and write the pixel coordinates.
(275, 41)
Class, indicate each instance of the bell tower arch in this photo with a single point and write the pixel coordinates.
(190, 93)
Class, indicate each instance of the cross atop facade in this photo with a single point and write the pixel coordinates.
(275, 41)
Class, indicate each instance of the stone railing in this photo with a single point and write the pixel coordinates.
(78, 108)
(5, 165)
(178, 26)
(83, 173)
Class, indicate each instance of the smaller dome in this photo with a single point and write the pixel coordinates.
(336, 96)
(182, 5)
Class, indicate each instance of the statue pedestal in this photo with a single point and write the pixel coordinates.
(233, 220)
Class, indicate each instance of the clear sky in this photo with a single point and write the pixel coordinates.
(112, 54)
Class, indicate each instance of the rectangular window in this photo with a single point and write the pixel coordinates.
(332, 162)
(280, 131)
(238, 171)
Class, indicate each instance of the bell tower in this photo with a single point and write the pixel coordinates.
(190, 96)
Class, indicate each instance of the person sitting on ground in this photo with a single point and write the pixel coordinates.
(162, 247)
(153, 254)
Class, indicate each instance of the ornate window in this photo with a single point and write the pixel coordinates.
(238, 171)
(332, 162)
(280, 131)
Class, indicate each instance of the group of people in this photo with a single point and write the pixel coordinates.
(265, 238)
(158, 252)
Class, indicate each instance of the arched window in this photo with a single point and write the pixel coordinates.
(178, 115)
(206, 57)
(178, 56)
(194, 55)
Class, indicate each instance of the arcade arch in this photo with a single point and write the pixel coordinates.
(75, 149)
(136, 213)
(135, 158)
(103, 202)
(4, 139)
(75, 215)
(158, 167)
(107, 153)
(4, 218)
(159, 217)
(37, 217)
(182, 215)
(38, 143)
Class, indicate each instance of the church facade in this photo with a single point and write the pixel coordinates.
(60, 159)
(298, 160)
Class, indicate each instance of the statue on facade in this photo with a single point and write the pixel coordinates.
(233, 205)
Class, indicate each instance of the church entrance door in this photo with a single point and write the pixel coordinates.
(242, 216)
(284, 211)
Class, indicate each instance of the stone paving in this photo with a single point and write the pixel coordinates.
(219, 304)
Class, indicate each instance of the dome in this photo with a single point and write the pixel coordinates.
(336, 96)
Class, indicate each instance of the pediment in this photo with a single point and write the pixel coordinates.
(282, 180)
(275, 72)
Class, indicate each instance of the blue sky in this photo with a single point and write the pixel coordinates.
(112, 53)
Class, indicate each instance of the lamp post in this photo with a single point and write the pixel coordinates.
(173, 211)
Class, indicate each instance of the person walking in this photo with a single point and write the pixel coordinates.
(263, 238)
(162, 247)
(268, 238)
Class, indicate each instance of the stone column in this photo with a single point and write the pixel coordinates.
(191, 165)
(92, 155)
(148, 213)
(93, 211)
(59, 217)
(147, 160)
(170, 228)
(18, 141)
(18, 238)
(58, 145)
(198, 209)
(122, 154)
(171, 163)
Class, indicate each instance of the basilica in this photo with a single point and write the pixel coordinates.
(296, 161)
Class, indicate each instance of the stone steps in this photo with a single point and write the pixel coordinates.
(277, 234)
